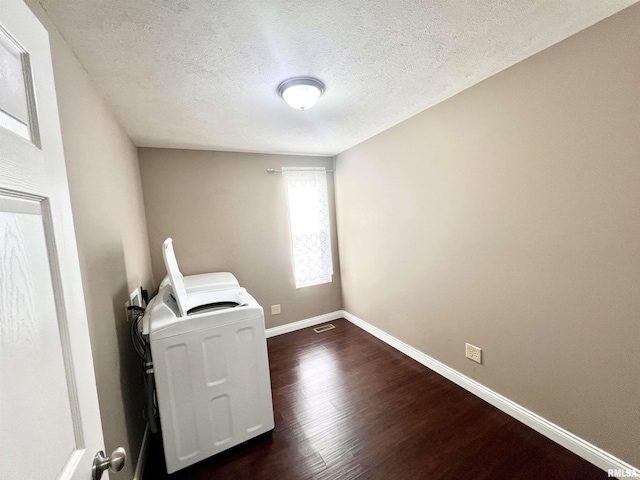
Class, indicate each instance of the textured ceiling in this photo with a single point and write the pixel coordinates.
(203, 74)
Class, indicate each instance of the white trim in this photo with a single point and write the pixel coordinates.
(322, 281)
(142, 456)
(575, 444)
(309, 322)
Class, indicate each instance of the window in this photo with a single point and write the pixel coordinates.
(17, 102)
(308, 203)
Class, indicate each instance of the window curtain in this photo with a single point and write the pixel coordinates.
(308, 206)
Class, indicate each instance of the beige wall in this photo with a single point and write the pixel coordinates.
(226, 213)
(108, 211)
(508, 217)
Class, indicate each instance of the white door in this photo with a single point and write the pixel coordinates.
(49, 419)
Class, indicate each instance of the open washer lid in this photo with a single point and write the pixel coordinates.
(175, 277)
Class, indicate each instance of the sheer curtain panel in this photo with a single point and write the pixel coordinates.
(308, 203)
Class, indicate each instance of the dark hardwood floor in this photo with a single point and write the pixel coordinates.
(349, 406)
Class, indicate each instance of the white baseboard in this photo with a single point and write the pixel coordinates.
(575, 444)
(142, 457)
(309, 322)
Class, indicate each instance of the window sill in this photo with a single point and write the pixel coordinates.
(319, 282)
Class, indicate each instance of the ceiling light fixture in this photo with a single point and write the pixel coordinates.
(301, 92)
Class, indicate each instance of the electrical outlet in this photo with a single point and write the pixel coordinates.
(275, 309)
(135, 297)
(135, 300)
(474, 353)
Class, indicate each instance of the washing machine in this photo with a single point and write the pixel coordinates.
(211, 373)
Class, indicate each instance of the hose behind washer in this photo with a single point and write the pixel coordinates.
(151, 388)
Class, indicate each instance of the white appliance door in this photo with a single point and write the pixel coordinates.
(49, 419)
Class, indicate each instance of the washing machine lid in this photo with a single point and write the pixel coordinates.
(175, 277)
(190, 292)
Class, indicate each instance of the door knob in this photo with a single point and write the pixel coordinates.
(115, 462)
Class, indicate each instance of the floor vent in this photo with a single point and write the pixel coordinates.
(323, 328)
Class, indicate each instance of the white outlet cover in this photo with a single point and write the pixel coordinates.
(275, 309)
(473, 353)
(135, 297)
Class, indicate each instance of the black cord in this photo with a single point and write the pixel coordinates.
(141, 345)
(137, 339)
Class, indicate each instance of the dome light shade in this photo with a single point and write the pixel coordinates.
(301, 92)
